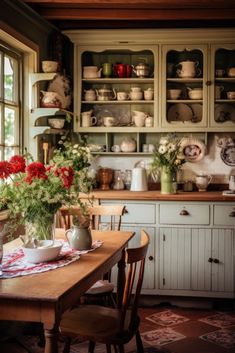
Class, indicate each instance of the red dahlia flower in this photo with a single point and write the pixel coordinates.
(5, 169)
(66, 174)
(17, 164)
(35, 170)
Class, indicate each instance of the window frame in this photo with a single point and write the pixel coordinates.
(16, 103)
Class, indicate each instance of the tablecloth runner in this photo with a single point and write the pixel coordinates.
(15, 264)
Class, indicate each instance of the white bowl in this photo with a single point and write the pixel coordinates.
(49, 66)
(195, 94)
(173, 93)
(231, 95)
(44, 252)
(56, 123)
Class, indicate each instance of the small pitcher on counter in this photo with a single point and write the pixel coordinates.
(202, 181)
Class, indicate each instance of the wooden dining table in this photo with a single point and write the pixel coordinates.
(44, 297)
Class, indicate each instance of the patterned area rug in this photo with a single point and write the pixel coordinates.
(161, 336)
(224, 338)
(219, 320)
(167, 318)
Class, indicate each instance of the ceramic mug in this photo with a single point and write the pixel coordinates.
(148, 95)
(88, 120)
(122, 96)
(107, 69)
(219, 72)
(218, 91)
(115, 148)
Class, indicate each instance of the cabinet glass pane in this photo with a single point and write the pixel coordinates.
(224, 86)
(119, 90)
(184, 86)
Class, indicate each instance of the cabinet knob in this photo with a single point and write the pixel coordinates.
(232, 214)
(216, 261)
(126, 211)
(150, 258)
(208, 83)
(184, 213)
(210, 259)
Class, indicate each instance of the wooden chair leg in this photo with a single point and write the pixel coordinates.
(108, 348)
(91, 346)
(67, 345)
(121, 348)
(139, 344)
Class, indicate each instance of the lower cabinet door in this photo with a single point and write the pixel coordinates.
(212, 260)
(223, 269)
(175, 258)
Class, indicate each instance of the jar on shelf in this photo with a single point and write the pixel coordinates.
(127, 179)
(118, 181)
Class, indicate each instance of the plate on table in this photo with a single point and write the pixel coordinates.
(179, 112)
(194, 150)
(227, 154)
(224, 112)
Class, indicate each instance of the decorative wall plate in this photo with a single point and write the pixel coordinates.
(179, 112)
(197, 112)
(224, 112)
(227, 154)
(193, 149)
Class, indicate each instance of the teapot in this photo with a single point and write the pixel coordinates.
(90, 95)
(141, 70)
(188, 69)
(202, 181)
(79, 238)
(128, 144)
(50, 100)
(106, 94)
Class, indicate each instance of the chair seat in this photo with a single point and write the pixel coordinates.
(103, 325)
(101, 287)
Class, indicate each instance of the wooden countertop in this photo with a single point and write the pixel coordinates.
(155, 195)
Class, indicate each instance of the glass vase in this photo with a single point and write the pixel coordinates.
(41, 228)
(168, 183)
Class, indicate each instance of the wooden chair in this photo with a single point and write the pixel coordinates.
(109, 216)
(111, 326)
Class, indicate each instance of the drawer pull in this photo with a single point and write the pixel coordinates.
(150, 258)
(210, 259)
(184, 213)
(216, 261)
(232, 214)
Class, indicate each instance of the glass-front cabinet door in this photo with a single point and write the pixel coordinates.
(116, 87)
(184, 86)
(223, 91)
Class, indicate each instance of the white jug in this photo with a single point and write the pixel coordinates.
(202, 181)
(139, 118)
(139, 179)
(188, 69)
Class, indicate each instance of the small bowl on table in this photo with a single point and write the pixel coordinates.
(46, 250)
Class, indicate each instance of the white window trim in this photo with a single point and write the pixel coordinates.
(30, 66)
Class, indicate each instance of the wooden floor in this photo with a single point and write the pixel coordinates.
(164, 329)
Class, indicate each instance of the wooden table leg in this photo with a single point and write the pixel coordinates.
(51, 338)
(121, 279)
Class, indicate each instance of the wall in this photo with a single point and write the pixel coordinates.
(211, 163)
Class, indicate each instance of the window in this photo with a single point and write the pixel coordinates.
(10, 101)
